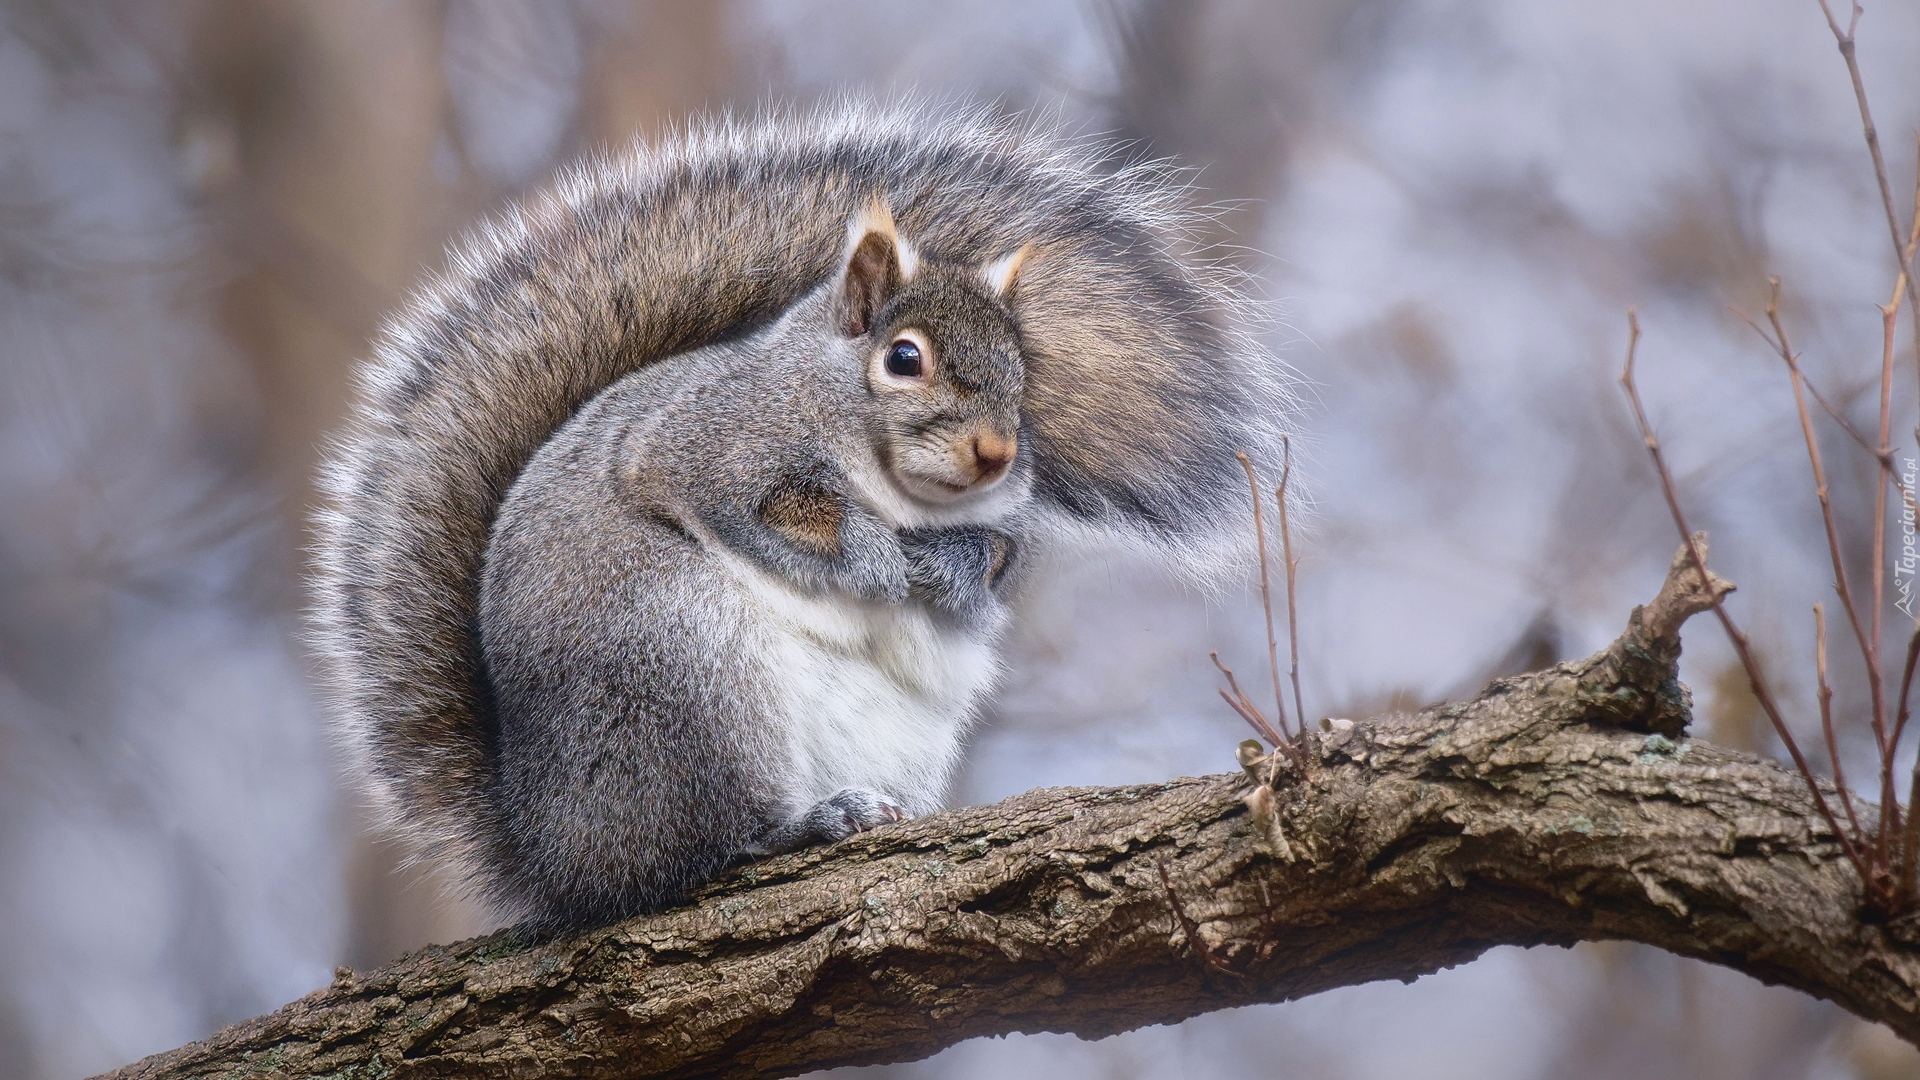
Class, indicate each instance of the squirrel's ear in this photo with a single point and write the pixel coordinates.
(877, 263)
(1000, 274)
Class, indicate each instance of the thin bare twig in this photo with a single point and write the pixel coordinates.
(1890, 316)
(1266, 599)
(1902, 253)
(1192, 929)
(1755, 678)
(1825, 693)
(1907, 257)
(1286, 554)
(1906, 687)
(1885, 858)
(1883, 456)
(1908, 867)
(1834, 551)
(1883, 476)
(1245, 706)
(1878, 858)
(1258, 724)
(1838, 417)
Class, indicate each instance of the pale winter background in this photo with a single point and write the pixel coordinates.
(205, 206)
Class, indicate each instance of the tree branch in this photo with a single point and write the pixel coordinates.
(1559, 806)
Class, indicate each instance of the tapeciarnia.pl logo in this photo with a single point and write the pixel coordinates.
(1905, 563)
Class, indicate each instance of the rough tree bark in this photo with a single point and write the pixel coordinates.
(1559, 806)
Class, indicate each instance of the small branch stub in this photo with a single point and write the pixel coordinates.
(1684, 594)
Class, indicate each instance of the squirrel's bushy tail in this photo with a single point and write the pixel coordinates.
(1139, 388)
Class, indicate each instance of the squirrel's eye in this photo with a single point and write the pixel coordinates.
(903, 359)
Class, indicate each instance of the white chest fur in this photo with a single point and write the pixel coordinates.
(868, 696)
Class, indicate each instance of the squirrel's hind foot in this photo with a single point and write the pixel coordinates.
(834, 818)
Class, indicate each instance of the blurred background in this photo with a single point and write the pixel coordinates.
(205, 205)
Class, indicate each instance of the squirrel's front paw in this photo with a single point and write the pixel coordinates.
(957, 569)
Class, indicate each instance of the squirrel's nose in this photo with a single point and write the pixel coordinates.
(992, 453)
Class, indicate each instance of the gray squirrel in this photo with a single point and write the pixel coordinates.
(678, 523)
